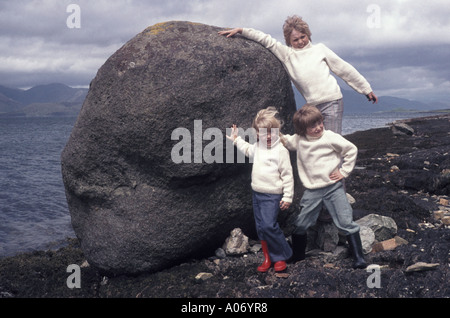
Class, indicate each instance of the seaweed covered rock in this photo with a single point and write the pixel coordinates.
(147, 177)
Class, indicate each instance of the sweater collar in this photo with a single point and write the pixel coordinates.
(308, 46)
(273, 145)
(311, 138)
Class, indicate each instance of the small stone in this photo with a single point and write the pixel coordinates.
(443, 201)
(255, 248)
(220, 253)
(446, 220)
(402, 129)
(282, 275)
(350, 199)
(367, 238)
(394, 169)
(236, 243)
(390, 155)
(421, 266)
(389, 245)
(384, 227)
(438, 215)
(203, 276)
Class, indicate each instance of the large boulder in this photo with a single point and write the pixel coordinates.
(143, 172)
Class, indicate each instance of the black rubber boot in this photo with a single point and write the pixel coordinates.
(298, 247)
(354, 241)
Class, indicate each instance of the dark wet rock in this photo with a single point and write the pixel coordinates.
(133, 207)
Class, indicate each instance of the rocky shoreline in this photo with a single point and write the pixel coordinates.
(401, 175)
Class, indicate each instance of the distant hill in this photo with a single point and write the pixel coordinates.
(61, 100)
(43, 100)
(357, 103)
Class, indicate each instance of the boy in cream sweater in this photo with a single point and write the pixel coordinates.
(324, 159)
(272, 185)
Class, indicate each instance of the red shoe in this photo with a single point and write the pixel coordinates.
(266, 264)
(280, 266)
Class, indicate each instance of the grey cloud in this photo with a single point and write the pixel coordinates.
(37, 47)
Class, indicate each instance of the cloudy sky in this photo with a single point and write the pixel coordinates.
(401, 46)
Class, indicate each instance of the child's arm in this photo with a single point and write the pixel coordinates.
(233, 134)
(336, 176)
(349, 74)
(286, 175)
(290, 142)
(348, 152)
(280, 50)
(240, 143)
(231, 32)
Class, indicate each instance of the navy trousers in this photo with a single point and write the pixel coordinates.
(265, 209)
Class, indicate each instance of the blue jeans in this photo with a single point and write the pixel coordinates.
(334, 199)
(265, 209)
(332, 113)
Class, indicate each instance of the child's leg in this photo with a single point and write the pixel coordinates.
(332, 113)
(337, 204)
(311, 205)
(342, 214)
(257, 215)
(268, 228)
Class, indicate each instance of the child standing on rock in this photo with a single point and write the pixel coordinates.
(309, 67)
(324, 159)
(272, 185)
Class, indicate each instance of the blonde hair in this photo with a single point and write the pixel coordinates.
(268, 119)
(297, 23)
(305, 117)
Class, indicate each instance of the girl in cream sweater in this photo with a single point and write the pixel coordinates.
(272, 185)
(309, 67)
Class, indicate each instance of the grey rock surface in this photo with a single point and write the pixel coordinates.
(133, 208)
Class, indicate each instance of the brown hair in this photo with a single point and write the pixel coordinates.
(297, 23)
(305, 117)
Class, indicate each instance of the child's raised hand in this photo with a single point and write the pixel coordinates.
(234, 133)
(230, 33)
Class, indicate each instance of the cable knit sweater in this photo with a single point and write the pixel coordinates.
(272, 170)
(318, 157)
(309, 68)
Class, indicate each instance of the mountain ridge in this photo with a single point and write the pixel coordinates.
(53, 99)
(357, 103)
(57, 99)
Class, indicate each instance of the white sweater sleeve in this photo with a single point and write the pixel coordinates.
(290, 142)
(246, 148)
(280, 50)
(286, 175)
(348, 153)
(346, 71)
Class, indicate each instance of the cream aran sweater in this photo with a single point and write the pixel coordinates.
(272, 170)
(309, 69)
(318, 157)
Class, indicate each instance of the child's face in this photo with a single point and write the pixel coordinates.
(267, 136)
(315, 130)
(298, 39)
